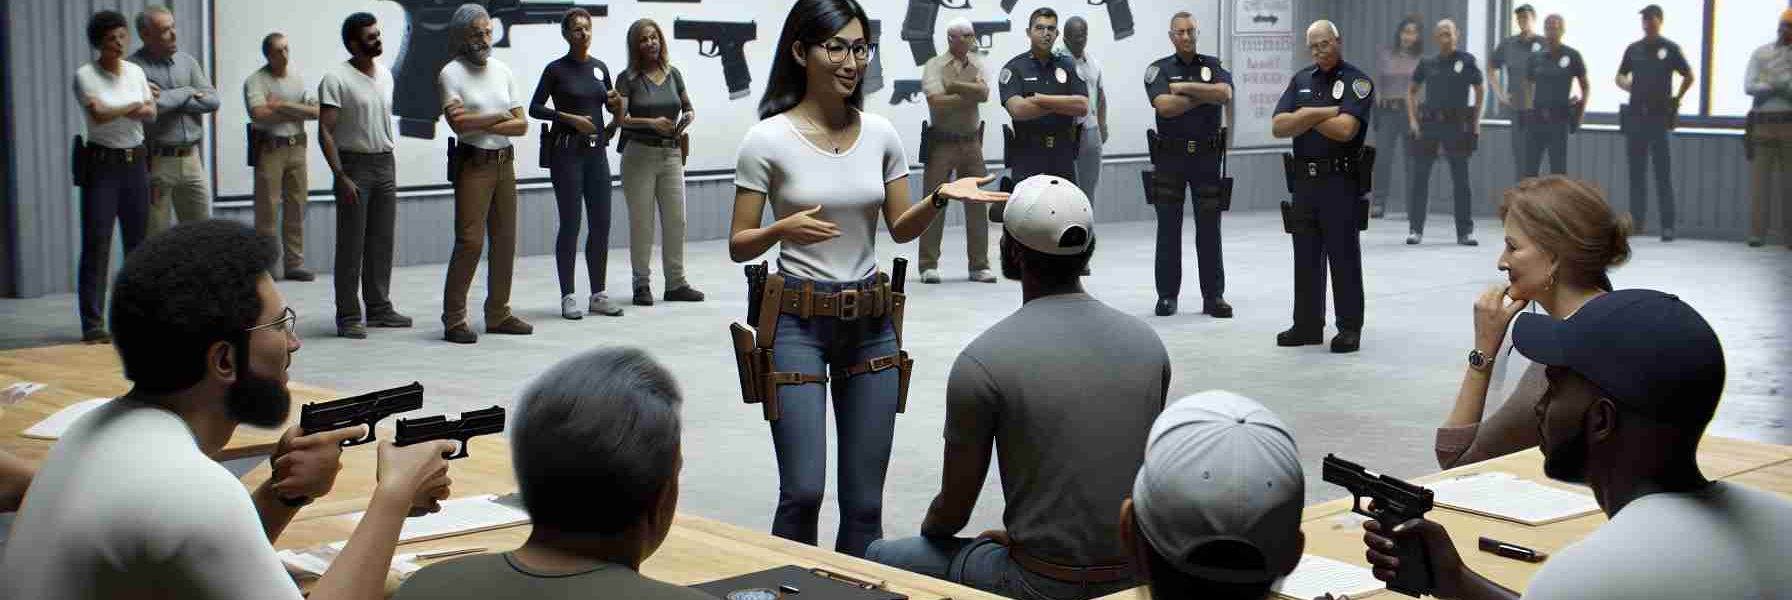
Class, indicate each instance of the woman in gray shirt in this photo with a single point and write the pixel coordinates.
(1561, 237)
(656, 112)
(828, 169)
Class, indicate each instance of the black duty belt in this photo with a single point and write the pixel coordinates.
(574, 139)
(1314, 168)
(1188, 146)
(1655, 108)
(474, 155)
(1453, 114)
(272, 141)
(1062, 140)
(174, 151)
(116, 156)
(1550, 114)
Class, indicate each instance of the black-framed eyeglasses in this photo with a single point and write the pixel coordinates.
(288, 323)
(837, 51)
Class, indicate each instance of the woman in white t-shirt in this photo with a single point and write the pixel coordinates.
(828, 170)
(111, 171)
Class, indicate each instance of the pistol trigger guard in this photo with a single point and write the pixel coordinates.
(715, 49)
(460, 450)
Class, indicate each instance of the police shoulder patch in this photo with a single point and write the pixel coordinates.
(1362, 87)
(1007, 74)
(1150, 74)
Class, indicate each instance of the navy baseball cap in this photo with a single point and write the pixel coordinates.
(1647, 350)
(1652, 10)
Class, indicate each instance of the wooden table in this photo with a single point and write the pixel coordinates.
(1334, 532)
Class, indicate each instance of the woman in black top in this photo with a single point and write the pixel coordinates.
(580, 86)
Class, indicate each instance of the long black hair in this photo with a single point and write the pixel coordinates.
(1418, 44)
(810, 22)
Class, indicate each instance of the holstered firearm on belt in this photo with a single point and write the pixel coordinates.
(926, 146)
(453, 160)
(545, 158)
(768, 299)
(1217, 196)
(470, 424)
(1748, 135)
(253, 140)
(80, 162)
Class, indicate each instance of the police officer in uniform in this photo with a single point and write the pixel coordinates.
(1043, 94)
(1326, 110)
(1443, 122)
(1647, 72)
(1509, 70)
(1555, 110)
(1187, 91)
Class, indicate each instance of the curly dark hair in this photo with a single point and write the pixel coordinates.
(102, 23)
(182, 291)
(353, 25)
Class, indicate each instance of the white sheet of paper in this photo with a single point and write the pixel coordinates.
(1507, 496)
(16, 393)
(1317, 576)
(53, 427)
(311, 563)
(460, 515)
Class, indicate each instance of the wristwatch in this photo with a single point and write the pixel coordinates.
(938, 201)
(1480, 361)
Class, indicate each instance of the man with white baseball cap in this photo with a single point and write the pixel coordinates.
(1066, 388)
(1215, 510)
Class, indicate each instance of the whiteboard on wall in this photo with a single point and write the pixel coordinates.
(313, 32)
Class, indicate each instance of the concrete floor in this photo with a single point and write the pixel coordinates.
(1378, 407)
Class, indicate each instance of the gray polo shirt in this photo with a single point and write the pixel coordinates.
(179, 114)
(500, 576)
(1068, 388)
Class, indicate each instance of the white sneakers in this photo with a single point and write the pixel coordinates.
(983, 276)
(930, 276)
(569, 308)
(601, 305)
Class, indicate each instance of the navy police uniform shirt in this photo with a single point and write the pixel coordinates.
(1514, 55)
(1553, 74)
(1025, 76)
(1345, 87)
(1200, 122)
(1445, 80)
(1652, 65)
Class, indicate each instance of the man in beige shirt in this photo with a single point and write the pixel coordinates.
(955, 88)
(278, 109)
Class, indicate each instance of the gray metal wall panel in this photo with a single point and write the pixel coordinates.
(46, 42)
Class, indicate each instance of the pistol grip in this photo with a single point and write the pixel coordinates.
(734, 70)
(1413, 578)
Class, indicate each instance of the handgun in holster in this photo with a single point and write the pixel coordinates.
(252, 141)
(1299, 218)
(544, 159)
(453, 160)
(926, 146)
(1748, 136)
(80, 163)
(1394, 502)
(1365, 183)
(1216, 196)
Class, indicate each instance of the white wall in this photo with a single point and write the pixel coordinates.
(313, 34)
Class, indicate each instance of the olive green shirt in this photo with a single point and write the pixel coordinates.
(488, 576)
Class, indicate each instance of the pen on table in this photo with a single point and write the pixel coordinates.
(447, 553)
(1510, 550)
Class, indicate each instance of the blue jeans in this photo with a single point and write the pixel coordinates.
(866, 416)
(983, 564)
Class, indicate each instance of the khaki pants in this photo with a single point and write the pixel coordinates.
(484, 205)
(653, 177)
(181, 184)
(1773, 178)
(952, 160)
(280, 179)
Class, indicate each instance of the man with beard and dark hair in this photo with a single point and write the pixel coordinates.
(1634, 378)
(354, 131)
(130, 503)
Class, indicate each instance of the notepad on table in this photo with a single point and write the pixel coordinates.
(1510, 497)
(57, 424)
(459, 516)
(1317, 576)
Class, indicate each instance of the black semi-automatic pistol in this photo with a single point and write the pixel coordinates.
(366, 409)
(1395, 502)
(726, 40)
(473, 423)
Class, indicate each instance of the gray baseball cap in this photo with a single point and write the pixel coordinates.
(1221, 467)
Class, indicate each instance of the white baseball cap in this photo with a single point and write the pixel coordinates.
(1049, 214)
(1221, 467)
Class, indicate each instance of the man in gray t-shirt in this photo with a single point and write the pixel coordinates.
(1066, 390)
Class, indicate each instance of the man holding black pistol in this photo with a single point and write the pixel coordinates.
(1188, 91)
(1632, 435)
(130, 503)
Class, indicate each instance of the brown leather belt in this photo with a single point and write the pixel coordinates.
(658, 142)
(947, 137)
(1098, 574)
(871, 301)
(271, 141)
(173, 151)
(474, 155)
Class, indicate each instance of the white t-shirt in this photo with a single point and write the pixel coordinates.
(778, 161)
(113, 92)
(1090, 70)
(1726, 541)
(364, 107)
(126, 506)
(262, 84)
(483, 90)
